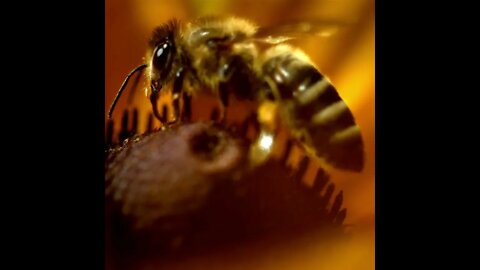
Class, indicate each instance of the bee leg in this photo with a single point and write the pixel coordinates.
(153, 100)
(223, 93)
(177, 90)
(187, 107)
(226, 73)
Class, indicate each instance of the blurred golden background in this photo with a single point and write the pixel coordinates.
(347, 58)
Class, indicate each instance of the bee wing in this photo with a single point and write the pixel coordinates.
(283, 32)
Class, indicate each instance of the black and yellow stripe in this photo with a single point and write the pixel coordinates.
(317, 111)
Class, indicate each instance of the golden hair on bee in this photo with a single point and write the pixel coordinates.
(168, 29)
(228, 24)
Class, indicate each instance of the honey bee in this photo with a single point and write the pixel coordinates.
(231, 56)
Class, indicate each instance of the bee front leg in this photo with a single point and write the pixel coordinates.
(226, 72)
(153, 100)
(176, 94)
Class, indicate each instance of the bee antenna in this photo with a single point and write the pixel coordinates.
(124, 84)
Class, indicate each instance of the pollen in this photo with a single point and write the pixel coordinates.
(266, 141)
(267, 114)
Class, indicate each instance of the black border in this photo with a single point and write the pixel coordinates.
(54, 192)
(54, 154)
(419, 94)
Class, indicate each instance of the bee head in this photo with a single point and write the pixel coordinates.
(163, 52)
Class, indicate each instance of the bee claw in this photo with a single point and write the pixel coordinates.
(173, 122)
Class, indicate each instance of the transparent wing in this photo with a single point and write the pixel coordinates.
(286, 31)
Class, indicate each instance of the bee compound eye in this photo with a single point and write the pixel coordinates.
(162, 55)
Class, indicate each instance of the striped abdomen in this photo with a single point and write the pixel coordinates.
(316, 111)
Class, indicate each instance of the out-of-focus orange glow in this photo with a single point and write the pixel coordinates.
(347, 58)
